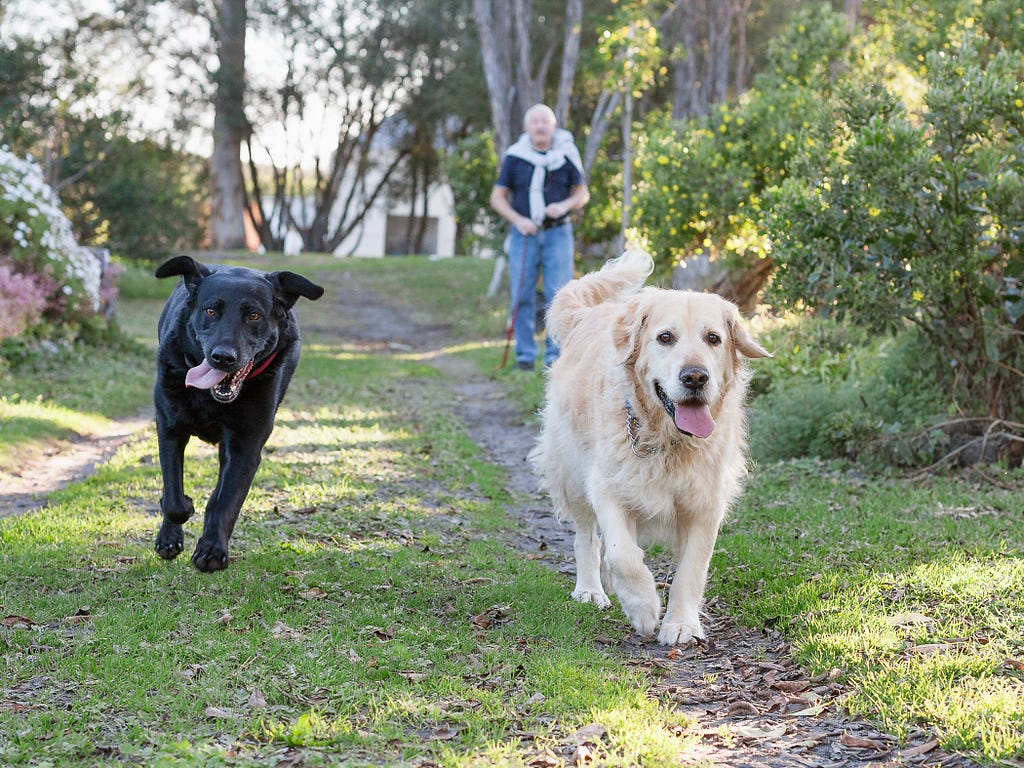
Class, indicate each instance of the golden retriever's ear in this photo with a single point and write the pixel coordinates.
(627, 330)
(743, 341)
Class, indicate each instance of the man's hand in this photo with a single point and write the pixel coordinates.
(526, 226)
(556, 210)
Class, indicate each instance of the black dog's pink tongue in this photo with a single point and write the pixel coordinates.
(695, 419)
(203, 376)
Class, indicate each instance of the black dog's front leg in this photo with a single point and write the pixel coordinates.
(175, 506)
(239, 460)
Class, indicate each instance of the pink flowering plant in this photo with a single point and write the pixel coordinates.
(22, 300)
(39, 253)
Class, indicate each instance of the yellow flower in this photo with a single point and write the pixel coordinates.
(918, 296)
(662, 160)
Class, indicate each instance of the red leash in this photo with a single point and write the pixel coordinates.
(515, 309)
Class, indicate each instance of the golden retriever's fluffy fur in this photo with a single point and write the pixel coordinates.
(643, 435)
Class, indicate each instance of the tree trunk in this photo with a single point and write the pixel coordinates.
(741, 8)
(851, 9)
(494, 27)
(570, 56)
(227, 227)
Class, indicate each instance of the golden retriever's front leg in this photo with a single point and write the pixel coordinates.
(587, 546)
(632, 581)
(682, 617)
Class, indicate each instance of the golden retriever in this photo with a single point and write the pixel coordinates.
(643, 435)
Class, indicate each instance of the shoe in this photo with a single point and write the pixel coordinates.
(524, 365)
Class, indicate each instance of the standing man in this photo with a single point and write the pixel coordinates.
(540, 184)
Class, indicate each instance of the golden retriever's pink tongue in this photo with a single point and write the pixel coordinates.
(203, 376)
(695, 419)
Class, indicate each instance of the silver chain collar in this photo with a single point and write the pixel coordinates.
(633, 430)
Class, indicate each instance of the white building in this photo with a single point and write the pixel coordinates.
(384, 229)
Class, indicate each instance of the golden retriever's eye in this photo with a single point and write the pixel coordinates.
(713, 339)
(254, 316)
(666, 338)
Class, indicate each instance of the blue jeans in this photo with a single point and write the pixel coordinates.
(550, 252)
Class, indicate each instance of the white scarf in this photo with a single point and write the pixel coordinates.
(562, 149)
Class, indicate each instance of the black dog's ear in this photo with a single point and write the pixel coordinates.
(289, 287)
(191, 270)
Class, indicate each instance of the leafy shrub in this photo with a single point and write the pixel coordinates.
(842, 393)
(471, 171)
(36, 241)
(918, 220)
(699, 183)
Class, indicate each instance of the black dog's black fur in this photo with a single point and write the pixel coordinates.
(232, 318)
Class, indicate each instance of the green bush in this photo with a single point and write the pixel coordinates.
(918, 220)
(845, 394)
(699, 183)
(471, 169)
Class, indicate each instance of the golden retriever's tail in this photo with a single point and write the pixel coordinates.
(616, 278)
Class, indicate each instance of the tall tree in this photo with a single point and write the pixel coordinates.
(227, 229)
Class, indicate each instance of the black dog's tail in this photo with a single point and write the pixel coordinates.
(616, 278)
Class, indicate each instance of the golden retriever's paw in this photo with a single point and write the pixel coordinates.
(644, 616)
(680, 634)
(600, 599)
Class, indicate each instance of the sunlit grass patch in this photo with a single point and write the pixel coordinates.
(913, 592)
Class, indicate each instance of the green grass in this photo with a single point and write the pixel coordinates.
(377, 615)
(913, 590)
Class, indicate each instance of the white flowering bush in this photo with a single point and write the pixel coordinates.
(36, 242)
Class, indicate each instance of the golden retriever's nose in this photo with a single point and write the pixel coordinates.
(693, 377)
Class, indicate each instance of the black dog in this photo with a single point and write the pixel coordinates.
(228, 346)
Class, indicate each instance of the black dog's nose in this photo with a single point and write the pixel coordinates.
(693, 377)
(223, 358)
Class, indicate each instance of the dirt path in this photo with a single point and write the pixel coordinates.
(751, 704)
(62, 463)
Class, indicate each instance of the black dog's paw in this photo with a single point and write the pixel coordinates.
(210, 556)
(181, 515)
(170, 540)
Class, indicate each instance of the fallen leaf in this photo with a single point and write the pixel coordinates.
(283, 631)
(444, 733)
(256, 699)
(17, 622)
(856, 742)
(223, 616)
(761, 734)
(1013, 664)
(929, 648)
(814, 711)
(314, 593)
(592, 733)
(920, 749)
(218, 712)
(191, 671)
(741, 708)
(582, 755)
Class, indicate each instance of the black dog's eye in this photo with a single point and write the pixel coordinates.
(666, 338)
(254, 316)
(713, 339)
(211, 311)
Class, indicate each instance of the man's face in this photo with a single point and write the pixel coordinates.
(540, 127)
